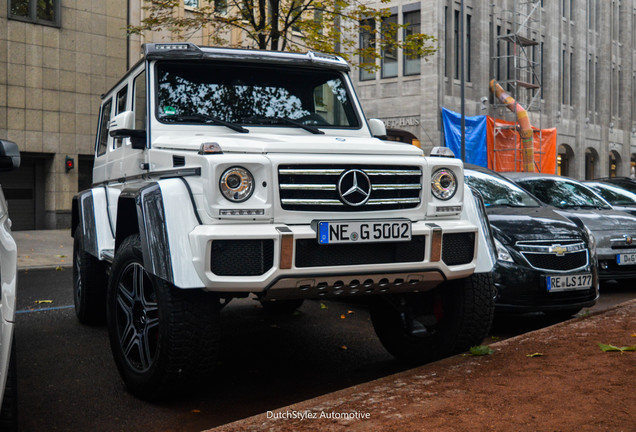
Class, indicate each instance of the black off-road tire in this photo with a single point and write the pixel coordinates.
(281, 307)
(451, 318)
(9, 410)
(89, 284)
(164, 339)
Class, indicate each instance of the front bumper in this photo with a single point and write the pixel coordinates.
(609, 269)
(523, 289)
(286, 261)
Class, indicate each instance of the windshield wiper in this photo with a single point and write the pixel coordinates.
(287, 120)
(206, 119)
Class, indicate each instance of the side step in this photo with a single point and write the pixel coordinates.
(107, 255)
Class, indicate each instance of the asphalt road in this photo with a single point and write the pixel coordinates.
(67, 380)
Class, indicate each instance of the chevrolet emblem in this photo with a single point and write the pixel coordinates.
(558, 250)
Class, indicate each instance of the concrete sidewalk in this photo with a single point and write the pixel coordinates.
(44, 249)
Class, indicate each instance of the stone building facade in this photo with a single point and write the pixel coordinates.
(585, 50)
(56, 58)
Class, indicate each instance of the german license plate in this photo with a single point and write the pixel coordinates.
(569, 283)
(364, 231)
(626, 259)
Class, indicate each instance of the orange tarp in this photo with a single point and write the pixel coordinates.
(509, 148)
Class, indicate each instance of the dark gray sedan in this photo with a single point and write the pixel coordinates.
(620, 198)
(613, 230)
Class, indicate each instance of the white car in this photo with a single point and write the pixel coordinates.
(9, 159)
(223, 173)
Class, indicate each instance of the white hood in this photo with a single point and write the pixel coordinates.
(261, 143)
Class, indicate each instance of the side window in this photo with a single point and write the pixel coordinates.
(119, 108)
(104, 120)
(121, 100)
(139, 105)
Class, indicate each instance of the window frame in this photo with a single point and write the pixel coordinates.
(33, 18)
(406, 59)
(396, 62)
(372, 35)
(104, 122)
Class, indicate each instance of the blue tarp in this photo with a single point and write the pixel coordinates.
(476, 149)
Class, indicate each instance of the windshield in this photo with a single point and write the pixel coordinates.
(614, 194)
(497, 191)
(564, 194)
(253, 94)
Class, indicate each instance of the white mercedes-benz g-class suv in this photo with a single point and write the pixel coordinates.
(221, 173)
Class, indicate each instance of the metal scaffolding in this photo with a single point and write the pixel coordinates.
(516, 64)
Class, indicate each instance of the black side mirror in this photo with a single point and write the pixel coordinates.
(137, 137)
(9, 155)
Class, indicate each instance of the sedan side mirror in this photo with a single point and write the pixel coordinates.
(9, 155)
(123, 126)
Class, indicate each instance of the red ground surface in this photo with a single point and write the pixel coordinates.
(572, 386)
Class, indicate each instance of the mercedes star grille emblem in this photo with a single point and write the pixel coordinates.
(354, 187)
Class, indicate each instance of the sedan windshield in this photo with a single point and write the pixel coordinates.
(253, 94)
(497, 191)
(614, 194)
(564, 193)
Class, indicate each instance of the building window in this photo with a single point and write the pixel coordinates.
(597, 85)
(590, 86)
(562, 79)
(46, 12)
(571, 80)
(191, 3)
(220, 6)
(456, 74)
(447, 42)
(390, 51)
(498, 55)
(411, 62)
(367, 43)
(468, 47)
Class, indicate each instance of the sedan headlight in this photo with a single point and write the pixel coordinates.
(443, 184)
(591, 241)
(237, 184)
(502, 252)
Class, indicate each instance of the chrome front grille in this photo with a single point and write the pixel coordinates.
(316, 187)
(555, 255)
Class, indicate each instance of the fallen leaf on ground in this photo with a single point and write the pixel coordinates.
(342, 316)
(61, 256)
(480, 350)
(537, 354)
(58, 268)
(43, 301)
(612, 348)
(195, 411)
(323, 306)
(343, 347)
(349, 312)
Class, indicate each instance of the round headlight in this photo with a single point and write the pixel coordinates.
(237, 184)
(443, 184)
